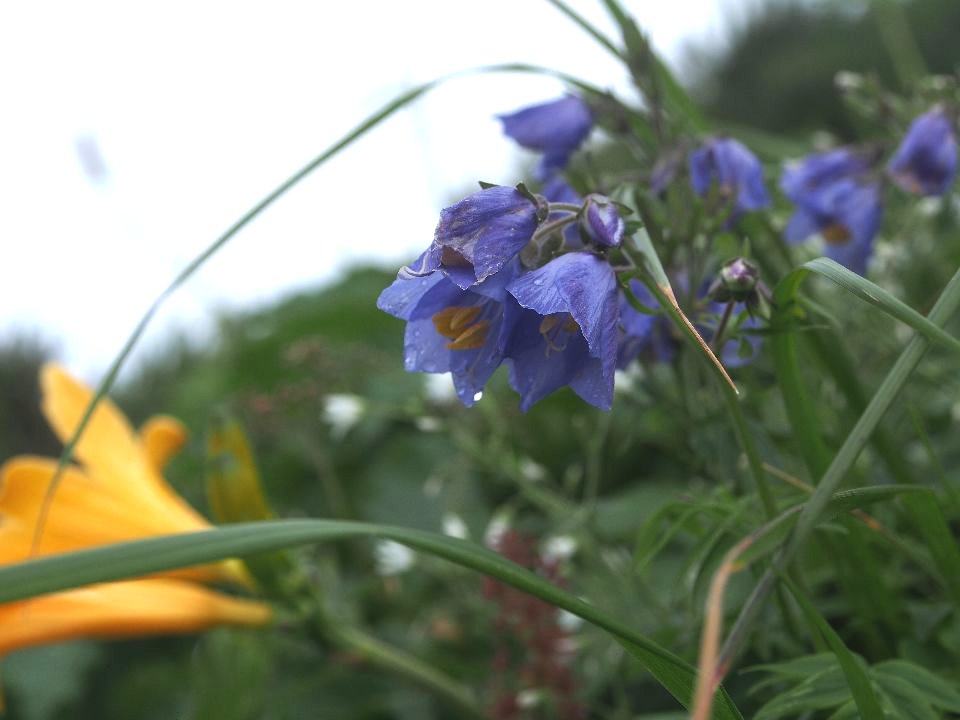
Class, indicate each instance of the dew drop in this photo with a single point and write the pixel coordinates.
(478, 395)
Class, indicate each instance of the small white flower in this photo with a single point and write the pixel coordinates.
(454, 526)
(392, 558)
(498, 525)
(342, 412)
(531, 697)
(559, 548)
(428, 424)
(532, 471)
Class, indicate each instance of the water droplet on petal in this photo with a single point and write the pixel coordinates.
(478, 395)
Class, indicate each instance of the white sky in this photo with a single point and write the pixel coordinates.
(197, 110)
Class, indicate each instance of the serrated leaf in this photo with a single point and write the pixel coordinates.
(935, 689)
(818, 692)
(905, 700)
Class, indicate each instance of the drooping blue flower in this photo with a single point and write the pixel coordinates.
(564, 330)
(601, 221)
(926, 161)
(836, 197)
(734, 169)
(451, 329)
(480, 234)
(555, 128)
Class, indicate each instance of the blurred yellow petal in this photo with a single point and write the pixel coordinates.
(162, 437)
(123, 609)
(83, 514)
(108, 445)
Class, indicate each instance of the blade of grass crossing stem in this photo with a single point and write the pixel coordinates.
(370, 123)
(860, 686)
(946, 305)
(143, 557)
(759, 544)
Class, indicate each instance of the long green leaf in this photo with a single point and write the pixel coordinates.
(860, 686)
(142, 557)
(940, 541)
(867, 291)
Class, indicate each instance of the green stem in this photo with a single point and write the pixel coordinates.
(379, 654)
(946, 305)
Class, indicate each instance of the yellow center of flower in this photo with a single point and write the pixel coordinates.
(835, 234)
(460, 324)
(556, 330)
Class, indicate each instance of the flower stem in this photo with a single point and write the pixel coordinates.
(722, 327)
(562, 206)
(552, 226)
(380, 654)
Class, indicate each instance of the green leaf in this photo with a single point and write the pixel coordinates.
(940, 541)
(853, 667)
(143, 557)
(865, 290)
(935, 689)
(817, 692)
(906, 701)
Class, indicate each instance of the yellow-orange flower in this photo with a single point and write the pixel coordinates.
(117, 493)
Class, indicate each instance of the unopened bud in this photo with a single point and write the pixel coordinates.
(600, 221)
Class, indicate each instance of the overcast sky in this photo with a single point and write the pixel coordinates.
(132, 135)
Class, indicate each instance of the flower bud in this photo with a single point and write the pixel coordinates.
(601, 222)
(736, 281)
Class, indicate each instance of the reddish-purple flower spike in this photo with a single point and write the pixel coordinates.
(564, 331)
(450, 329)
(480, 234)
(836, 198)
(926, 161)
(601, 222)
(555, 129)
(739, 175)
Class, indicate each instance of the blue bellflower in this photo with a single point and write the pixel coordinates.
(834, 197)
(564, 330)
(555, 129)
(450, 329)
(480, 234)
(731, 166)
(926, 161)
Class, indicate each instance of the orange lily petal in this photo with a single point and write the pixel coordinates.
(162, 437)
(108, 444)
(136, 607)
(85, 514)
